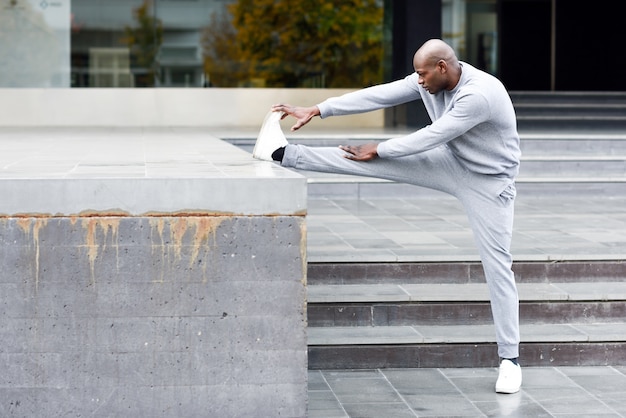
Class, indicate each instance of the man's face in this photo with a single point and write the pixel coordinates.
(430, 76)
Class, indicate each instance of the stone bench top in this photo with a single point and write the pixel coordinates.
(139, 171)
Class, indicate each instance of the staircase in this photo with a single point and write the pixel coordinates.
(572, 141)
(438, 315)
(570, 111)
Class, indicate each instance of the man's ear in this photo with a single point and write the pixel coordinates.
(442, 66)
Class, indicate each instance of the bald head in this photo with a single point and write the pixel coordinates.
(437, 65)
(435, 50)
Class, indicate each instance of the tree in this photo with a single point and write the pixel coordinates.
(221, 51)
(144, 42)
(292, 43)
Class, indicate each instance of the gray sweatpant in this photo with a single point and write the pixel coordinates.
(488, 202)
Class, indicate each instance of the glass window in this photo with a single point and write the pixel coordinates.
(190, 43)
(34, 43)
(470, 27)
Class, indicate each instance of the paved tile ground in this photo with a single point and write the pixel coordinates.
(546, 392)
(568, 227)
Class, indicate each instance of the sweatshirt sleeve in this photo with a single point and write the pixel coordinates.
(372, 98)
(468, 110)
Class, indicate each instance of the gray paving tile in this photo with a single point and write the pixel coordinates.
(378, 410)
(357, 293)
(541, 291)
(316, 381)
(324, 404)
(420, 381)
(457, 333)
(475, 373)
(315, 413)
(369, 390)
(324, 255)
(442, 405)
(323, 400)
(602, 386)
(570, 400)
(593, 371)
(414, 238)
(352, 374)
(551, 333)
(517, 405)
(363, 335)
(594, 291)
(617, 402)
(447, 292)
(477, 389)
(545, 377)
(603, 332)
(372, 243)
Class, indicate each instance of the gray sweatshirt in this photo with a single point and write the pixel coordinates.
(475, 120)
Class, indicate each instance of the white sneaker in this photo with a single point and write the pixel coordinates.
(509, 377)
(270, 137)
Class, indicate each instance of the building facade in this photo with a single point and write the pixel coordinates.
(546, 45)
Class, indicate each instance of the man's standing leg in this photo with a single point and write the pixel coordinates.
(491, 218)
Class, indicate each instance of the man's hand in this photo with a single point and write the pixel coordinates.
(302, 114)
(365, 152)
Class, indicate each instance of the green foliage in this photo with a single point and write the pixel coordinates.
(294, 43)
(144, 42)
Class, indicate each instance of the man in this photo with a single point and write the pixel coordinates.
(470, 150)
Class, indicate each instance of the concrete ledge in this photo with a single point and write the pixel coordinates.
(129, 172)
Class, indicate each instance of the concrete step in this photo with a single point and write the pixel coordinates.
(547, 122)
(549, 98)
(583, 110)
(459, 334)
(575, 344)
(565, 143)
(537, 272)
(461, 304)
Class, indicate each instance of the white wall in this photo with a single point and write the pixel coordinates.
(211, 107)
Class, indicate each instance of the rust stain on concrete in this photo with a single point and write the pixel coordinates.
(178, 228)
(204, 230)
(93, 242)
(24, 224)
(33, 226)
(37, 226)
(195, 233)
